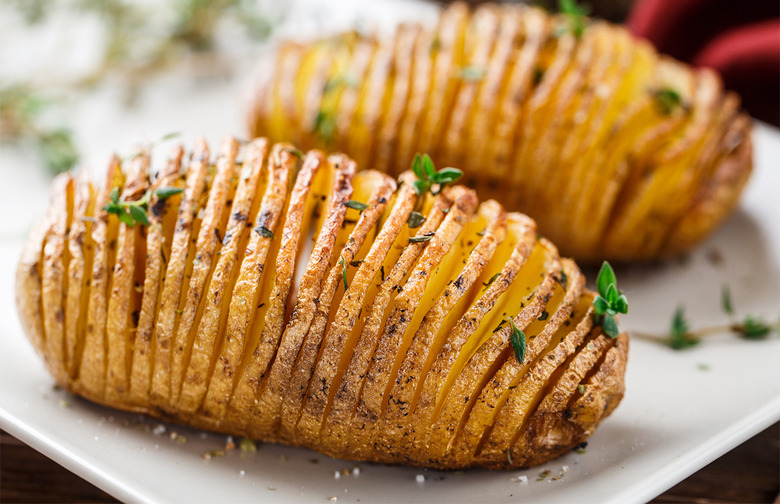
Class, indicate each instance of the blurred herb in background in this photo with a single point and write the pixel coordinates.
(135, 48)
(21, 121)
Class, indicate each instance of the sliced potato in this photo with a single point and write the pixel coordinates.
(318, 306)
(612, 148)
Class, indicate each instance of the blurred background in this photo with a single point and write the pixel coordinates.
(75, 71)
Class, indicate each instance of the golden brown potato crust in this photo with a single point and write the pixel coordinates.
(305, 302)
(617, 152)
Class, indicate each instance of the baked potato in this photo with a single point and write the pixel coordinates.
(617, 152)
(291, 298)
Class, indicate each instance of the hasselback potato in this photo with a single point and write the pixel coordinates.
(616, 151)
(294, 299)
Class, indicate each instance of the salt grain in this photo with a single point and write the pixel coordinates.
(420, 478)
(333, 498)
(159, 430)
(356, 471)
(337, 475)
(242, 473)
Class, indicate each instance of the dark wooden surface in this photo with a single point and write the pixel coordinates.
(749, 473)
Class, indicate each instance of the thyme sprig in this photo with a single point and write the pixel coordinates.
(609, 301)
(576, 16)
(681, 336)
(667, 100)
(428, 179)
(22, 113)
(517, 339)
(134, 212)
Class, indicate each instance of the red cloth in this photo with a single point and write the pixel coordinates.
(741, 40)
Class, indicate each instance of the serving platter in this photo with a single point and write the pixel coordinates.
(682, 409)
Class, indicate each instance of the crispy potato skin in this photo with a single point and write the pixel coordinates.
(295, 299)
(576, 132)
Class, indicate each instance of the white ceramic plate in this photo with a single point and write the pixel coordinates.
(681, 410)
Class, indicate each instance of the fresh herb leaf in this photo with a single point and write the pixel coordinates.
(472, 74)
(355, 205)
(543, 316)
(725, 300)
(609, 326)
(357, 262)
(138, 214)
(667, 100)
(420, 239)
(609, 301)
(295, 152)
(128, 212)
(344, 273)
(168, 136)
(605, 278)
(167, 192)
(575, 16)
(753, 328)
(415, 220)
(679, 335)
(325, 125)
(264, 232)
(517, 338)
(428, 177)
(582, 389)
(490, 281)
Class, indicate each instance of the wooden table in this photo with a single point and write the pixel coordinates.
(748, 473)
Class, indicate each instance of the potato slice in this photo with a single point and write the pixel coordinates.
(483, 360)
(208, 335)
(123, 302)
(484, 30)
(174, 283)
(550, 431)
(542, 345)
(318, 365)
(270, 318)
(91, 377)
(54, 282)
(210, 234)
(251, 283)
(417, 295)
(439, 321)
(80, 248)
(158, 236)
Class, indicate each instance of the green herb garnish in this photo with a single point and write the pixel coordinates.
(609, 301)
(344, 273)
(472, 74)
(325, 125)
(134, 212)
(679, 331)
(167, 192)
(517, 338)
(295, 152)
(575, 16)
(667, 100)
(430, 179)
(490, 281)
(419, 239)
(355, 205)
(753, 328)
(264, 232)
(415, 220)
